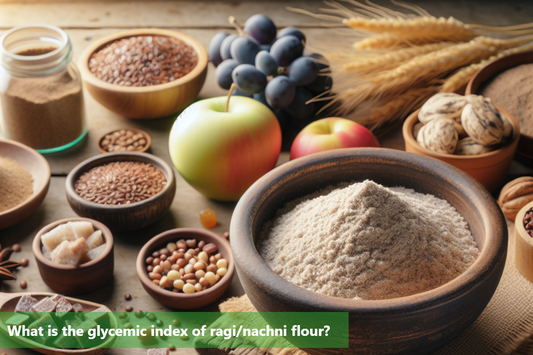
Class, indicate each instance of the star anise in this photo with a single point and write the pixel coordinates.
(6, 266)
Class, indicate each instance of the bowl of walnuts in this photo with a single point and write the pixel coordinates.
(468, 132)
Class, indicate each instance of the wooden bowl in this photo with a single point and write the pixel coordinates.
(490, 169)
(417, 324)
(39, 169)
(149, 101)
(124, 217)
(76, 280)
(135, 131)
(523, 245)
(182, 300)
(8, 302)
(524, 151)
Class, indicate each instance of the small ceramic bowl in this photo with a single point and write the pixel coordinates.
(145, 135)
(524, 151)
(182, 300)
(123, 217)
(416, 324)
(75, 280)
(523, 245)
(149, 101)
(39, 169)
(490, 169)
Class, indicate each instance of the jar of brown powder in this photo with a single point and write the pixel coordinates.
(41, 94)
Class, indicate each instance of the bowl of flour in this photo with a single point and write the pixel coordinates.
(411, 247)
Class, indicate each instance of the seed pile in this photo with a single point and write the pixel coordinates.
(123, 140)
(366, 241)
(187, 266)
(16, 184)
(512, 89)
(143, 61)
(120, 183)
(528, 222)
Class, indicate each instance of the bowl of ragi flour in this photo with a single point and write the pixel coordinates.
(411, 247)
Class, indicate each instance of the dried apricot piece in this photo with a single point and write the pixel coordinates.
(208, 218)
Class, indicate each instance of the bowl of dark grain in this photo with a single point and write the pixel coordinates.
(167, 274)
(144, 73)
(24, 181)
(359, 230)
(125, 190)
(507, 81)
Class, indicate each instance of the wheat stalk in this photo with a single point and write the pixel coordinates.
(428, 26)
(380, 62)
(419, 71)
(392, 109)
(460, 78)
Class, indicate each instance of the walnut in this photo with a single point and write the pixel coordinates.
(482, 121)
(516, 195)
(443, 105)
(439, 135)
(468, 146)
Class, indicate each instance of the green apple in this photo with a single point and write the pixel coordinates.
(222, 153)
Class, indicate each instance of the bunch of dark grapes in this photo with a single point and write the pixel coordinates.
(270, 67)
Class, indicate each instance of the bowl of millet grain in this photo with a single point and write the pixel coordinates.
(144, 73)
(372, 232)
(24, 181)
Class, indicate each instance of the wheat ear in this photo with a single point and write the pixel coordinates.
(392, 59)
(463, 75)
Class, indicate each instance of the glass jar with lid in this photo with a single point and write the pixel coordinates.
(41, 95)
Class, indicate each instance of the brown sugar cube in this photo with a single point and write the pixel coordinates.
(45, 305)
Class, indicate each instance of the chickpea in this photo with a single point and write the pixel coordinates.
(198, 287)
(209, 276)
(192, 261)
(158, 269)
(174, 275)
(171, 247)
(203, 256)
(222, 264)
(222, 271)
(179, 284)
(199, 266)
(188, 268)
(199, 274)
(188, 288)
(187, 256)
(191, 243)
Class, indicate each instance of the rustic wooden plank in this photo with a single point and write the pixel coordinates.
(211, 14)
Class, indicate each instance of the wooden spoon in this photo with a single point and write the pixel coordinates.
(8, 302)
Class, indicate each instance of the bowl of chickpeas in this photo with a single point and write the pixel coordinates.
(186, 268)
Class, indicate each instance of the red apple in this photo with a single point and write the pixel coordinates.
(331, 133)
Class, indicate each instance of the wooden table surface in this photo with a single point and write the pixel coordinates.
(86, 22)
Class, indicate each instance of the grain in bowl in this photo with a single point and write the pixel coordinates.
(366, 241)
(143, 61)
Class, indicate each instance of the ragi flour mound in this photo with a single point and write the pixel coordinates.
(366, 241)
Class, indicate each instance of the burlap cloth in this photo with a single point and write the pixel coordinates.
(505, 327)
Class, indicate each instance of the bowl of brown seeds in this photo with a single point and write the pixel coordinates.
(125, 140)
(144, 73)
(124, 190)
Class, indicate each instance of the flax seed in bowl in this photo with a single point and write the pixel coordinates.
(144, 73)
(125, 190)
